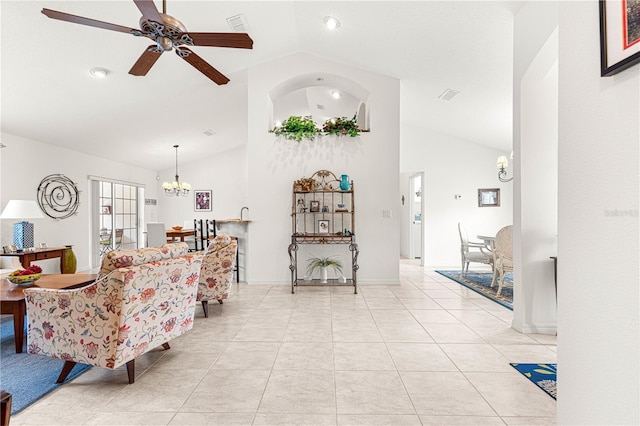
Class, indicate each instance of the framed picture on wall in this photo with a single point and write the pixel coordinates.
(619, 35)
(314, 206)
(202, 200)
(489, 197)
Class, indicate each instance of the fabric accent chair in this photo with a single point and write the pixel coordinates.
(216, 272)
(472, 251)
(125, 258)
(122, 315)
(503, 250)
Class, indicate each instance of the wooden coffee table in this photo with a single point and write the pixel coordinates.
(12, 298)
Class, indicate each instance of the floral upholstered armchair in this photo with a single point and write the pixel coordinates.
(216, 273)
(124, 258)
(122, 315)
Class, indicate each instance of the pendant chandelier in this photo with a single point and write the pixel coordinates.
(176, 188)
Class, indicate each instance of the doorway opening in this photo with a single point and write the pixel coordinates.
(416, 232)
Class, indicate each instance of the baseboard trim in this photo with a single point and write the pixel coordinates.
(537, 329)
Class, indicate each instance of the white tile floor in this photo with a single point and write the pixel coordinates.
(427, 352)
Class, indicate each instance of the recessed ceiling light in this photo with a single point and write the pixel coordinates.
(335, 94)
(99, 72)
(331, 23)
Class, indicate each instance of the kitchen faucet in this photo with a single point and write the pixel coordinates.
(242, 210)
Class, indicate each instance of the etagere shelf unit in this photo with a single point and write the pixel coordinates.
(323, 213)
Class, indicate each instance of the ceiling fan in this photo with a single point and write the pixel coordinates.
(168, 33)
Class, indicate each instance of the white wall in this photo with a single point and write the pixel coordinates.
(371, 160)
(224, 173)
(405, 212)
(599, 191)
(453, 166)
(26, 162)
(536, 177)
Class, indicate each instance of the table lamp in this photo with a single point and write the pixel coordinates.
(23, 230)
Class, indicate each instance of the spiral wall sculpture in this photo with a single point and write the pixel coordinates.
(58, 196)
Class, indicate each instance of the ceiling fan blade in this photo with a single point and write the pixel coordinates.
(145, 61)
(201, 65)
(236, 40)
(62, 16)
(149, 10)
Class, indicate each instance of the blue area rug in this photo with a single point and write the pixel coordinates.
(543, 375)
(480, 282)
(28, 377)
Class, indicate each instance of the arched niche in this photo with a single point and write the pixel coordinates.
(312, 94)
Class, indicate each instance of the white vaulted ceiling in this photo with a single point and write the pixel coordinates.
(430, 46)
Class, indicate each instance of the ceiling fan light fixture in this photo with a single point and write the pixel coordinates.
(331, 23)
(99, 72)
(164, 43)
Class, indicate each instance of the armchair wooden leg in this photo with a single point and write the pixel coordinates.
(66, 369)
(205, 308)
(166, 346)
(131, 371)
(220, 301)
(5, 408)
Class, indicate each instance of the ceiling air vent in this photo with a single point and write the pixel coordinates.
(448, 94)
(238, 23)
(209, 132)
(320, 106)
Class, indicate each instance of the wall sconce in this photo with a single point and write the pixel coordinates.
(502, 165)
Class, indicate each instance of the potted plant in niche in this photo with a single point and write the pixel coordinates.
(296, 128)
(341, 126)
(323, 264)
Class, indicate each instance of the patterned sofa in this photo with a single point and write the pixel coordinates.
(216, 273)
(142, 299)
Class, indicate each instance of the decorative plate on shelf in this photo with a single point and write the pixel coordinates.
(23, 279)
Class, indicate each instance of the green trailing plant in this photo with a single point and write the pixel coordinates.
(341, 126)
(324, 262)
(296, 128)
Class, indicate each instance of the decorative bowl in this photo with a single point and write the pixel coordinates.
(177, 228)
(24, 279)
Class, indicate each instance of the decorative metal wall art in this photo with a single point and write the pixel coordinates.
(58, 196)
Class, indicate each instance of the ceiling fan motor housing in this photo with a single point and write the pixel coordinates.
(164, 33)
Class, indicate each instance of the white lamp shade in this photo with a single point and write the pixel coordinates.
(502, 162)
(21, 209)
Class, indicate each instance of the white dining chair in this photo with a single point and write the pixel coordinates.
(156, 234)
(471, 251)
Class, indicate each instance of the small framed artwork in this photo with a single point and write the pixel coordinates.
(323, 227)
(202, 200)
(489, 197)
(619, 35)
(106, 209)
(314, 206)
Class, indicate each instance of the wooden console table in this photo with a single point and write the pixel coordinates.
(26, 257)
